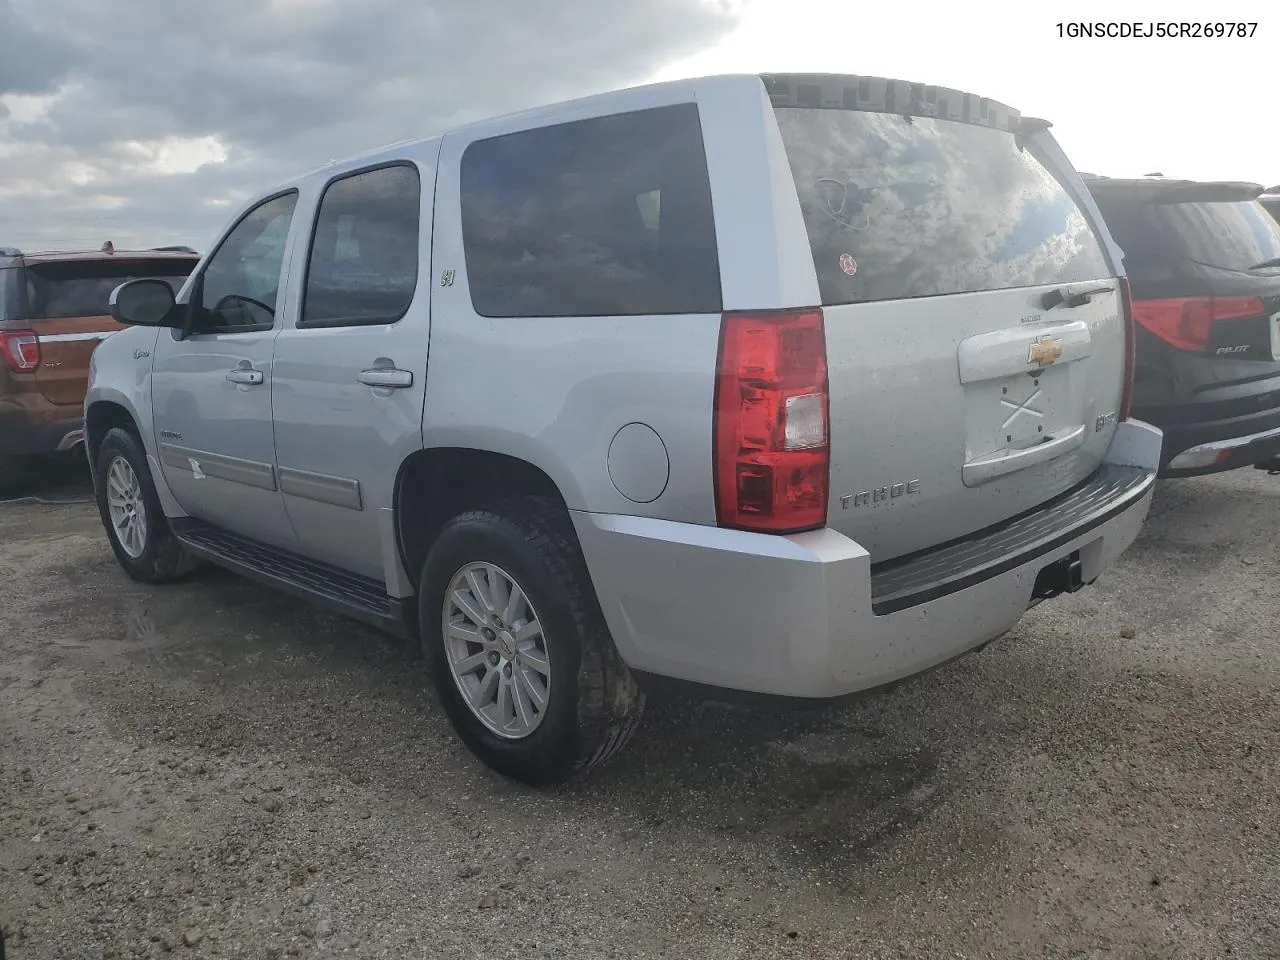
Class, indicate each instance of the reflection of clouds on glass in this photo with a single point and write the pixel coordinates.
(953, 207)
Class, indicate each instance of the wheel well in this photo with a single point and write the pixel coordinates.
(102, 417)
(438, 484)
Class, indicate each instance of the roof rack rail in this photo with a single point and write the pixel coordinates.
(10, 252)
(176, 248)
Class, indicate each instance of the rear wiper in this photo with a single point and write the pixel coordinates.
(1066, 298)
(1273, 262)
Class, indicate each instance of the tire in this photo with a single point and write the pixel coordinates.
(156, 556)
(592, 702)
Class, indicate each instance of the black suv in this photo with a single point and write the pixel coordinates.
(1203, 261)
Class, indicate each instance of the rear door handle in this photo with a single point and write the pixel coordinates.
(388, 377)
(245, 375)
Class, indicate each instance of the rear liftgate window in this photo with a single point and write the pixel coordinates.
(83, 288)
(603, 217)
(900, 207)
(1235, 235)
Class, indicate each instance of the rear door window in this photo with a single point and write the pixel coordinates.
(364, 254)
(899, 207)
(82, 288)
(603, 217)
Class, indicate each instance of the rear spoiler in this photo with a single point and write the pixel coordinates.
(836, 91)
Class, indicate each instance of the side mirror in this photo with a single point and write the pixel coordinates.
(143, 303)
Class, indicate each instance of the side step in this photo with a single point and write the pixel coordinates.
(355, 596)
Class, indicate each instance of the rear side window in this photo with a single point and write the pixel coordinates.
(1233, 236)
(364, 253)
(901, 207)
(82, 288)
(603, 217)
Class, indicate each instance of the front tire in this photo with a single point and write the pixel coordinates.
(136, 526)
(520, 653)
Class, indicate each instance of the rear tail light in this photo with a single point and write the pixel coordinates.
(1186, 322)
(770, 434)
(21, 349)
(1130, 349)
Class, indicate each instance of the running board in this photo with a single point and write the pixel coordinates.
(355, 596)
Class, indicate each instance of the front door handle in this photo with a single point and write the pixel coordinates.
(388, 377)
(245, 375)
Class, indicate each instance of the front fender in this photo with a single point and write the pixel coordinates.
(120, 375)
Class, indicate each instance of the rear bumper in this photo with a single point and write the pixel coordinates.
(39, 429)
(1213, 446)
(809, 615)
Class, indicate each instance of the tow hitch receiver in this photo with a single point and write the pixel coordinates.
(1061, 576)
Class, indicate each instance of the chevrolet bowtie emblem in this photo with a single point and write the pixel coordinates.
(1044, 350)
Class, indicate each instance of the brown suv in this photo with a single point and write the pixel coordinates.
(53, 313)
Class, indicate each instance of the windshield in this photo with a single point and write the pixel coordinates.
(901, 207)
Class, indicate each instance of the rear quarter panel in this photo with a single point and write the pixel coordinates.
(555, 392)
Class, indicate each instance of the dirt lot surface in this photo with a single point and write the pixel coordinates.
(210, 770)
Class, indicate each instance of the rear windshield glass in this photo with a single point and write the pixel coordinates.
(914, 207)
(83, 288)
(1233, 236)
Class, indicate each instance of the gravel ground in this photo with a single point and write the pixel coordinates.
(210, 770)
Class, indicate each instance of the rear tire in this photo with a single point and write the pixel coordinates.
(137, 529)
(592, 703)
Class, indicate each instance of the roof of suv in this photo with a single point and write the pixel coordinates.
(822, 90)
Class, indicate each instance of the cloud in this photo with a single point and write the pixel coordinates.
(31, 61)
(145, 122)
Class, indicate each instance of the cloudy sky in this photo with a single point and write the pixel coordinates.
(148, 121)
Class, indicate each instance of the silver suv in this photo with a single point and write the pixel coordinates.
(779, 385)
